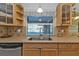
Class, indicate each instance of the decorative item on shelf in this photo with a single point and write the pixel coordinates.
(9, 15)
(18, 31)
(2, 13)
(3, 32)
(3, 7)
(60, 33)
(10, 31)
(2, 20)
(78, 30)
(9, 20)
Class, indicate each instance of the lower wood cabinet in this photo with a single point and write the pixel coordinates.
(49, 52)
(31, 52)
(69, 49)
(47, 49)
(69, 52)
(40, 49)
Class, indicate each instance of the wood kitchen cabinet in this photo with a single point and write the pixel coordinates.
(64, 14)
(49, 52)
(42, 49)
(12, 22)
(64, 18)
(51, 49)
(31, 52)
(70, 49)
(69, 52)
(31, 49)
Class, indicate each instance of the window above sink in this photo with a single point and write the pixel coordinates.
(40, 25)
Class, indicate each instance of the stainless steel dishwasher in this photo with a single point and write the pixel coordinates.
(10, 49)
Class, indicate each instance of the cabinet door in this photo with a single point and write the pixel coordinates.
(69, 49)
(69, 46)
(69, 52)
(9, 13)
(31, 52)
(49, 52)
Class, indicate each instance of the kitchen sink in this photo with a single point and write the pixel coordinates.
(40, 39)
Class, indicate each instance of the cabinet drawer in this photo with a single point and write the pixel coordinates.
(36, 45)
(69, 46)
(31, 52)
(70, 52)
(49, 52)
(49, 45)
(31, 46)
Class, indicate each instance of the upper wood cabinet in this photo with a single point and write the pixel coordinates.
(12, 19)
(63, 18)
(11, 14)
(2, 13)
(64, 14)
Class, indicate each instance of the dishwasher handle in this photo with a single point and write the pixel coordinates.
(3, 49)
(5, 46)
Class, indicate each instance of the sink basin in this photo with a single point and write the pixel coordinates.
(40, 39)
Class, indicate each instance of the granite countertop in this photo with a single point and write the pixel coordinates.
(73, 39)
(18, 39)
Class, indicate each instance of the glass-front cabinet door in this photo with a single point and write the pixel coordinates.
(9, 13)
(2, 13)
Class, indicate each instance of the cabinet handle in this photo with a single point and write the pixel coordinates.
(49, 49)
(36, 47)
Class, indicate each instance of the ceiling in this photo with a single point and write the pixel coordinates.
(48, 8)
(45, 6)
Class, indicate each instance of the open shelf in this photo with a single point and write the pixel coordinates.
(19, 6)
(18, 18)
(20, 12)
